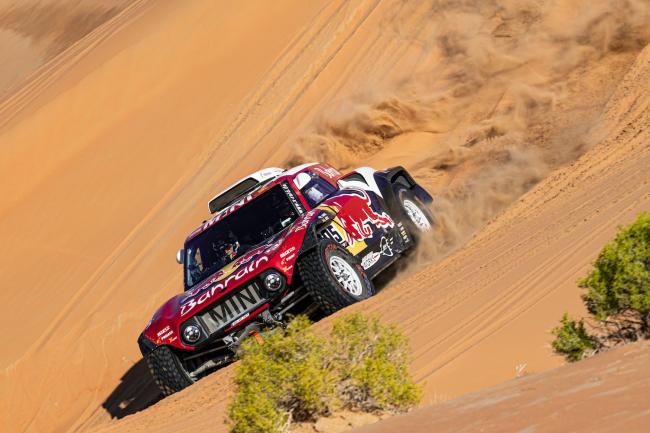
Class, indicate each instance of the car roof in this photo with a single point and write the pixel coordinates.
(242, 187)
(267, 178)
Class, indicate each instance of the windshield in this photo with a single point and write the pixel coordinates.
(237, 234)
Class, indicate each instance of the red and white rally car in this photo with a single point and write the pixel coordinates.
(292, 241)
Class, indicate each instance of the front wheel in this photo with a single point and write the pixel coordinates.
(333, 277)
(167, 370)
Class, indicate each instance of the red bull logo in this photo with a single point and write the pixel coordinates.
(357, 217)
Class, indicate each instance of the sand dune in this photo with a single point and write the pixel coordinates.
(110, 151)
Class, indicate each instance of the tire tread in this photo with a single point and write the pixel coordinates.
(167, 371)
(320, 285)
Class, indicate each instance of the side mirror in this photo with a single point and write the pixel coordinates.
(180, 256)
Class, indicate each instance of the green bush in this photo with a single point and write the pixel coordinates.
(572, 339)
(297, 375)
(619, 285)
(287, 377)
(372, 364)
(618, 295)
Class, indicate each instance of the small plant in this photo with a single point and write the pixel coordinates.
(297, 375)
(572, 340)
(619, 285)
(618, 295)
(288, 377)
(372, 365)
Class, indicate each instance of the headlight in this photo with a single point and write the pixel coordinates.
(273, 281)
(191, 333)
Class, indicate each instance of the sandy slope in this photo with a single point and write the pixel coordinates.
(34, 31)
(603, 394)
(111, 150)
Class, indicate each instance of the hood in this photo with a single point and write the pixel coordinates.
(280, 253)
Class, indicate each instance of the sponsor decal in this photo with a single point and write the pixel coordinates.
(163, 331)
(326, 215)
(266, 249)
(287, 256)
(329, 172)
(303, 222)
(292, 198)
(222, 285)
(286, 252)
(357, 217)
(274, 246)
(233, 266)
(370, 259)
(403, 233)
(373, 257)
(287, 259)
(233, 207)
(385, 246)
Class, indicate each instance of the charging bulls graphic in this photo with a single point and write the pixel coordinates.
(357, 216)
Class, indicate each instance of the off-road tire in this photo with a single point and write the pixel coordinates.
(320, 282)
(403, 194)
(167, 370)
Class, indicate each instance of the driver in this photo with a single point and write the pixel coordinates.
(231, 250)
(226, 245)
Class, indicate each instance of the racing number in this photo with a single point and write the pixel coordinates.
(330, 232)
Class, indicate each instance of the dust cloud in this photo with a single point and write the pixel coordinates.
(509, 90)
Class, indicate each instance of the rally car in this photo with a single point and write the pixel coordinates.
(305, 240)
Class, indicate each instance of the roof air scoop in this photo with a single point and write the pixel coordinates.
(242, 187)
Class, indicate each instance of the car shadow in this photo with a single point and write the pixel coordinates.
(136, 391)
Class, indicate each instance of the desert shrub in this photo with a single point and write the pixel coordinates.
(572, 340)
(618, 295)
(297, 375)
(372, 364)
(287, 377)
(619, 285)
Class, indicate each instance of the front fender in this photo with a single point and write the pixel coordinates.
(146, 346)
(311, 240)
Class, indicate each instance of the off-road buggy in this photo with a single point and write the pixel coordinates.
(304, 240)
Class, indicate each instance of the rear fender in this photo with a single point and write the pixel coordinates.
(388, 179)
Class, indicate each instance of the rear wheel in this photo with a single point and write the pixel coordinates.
(415, 215)
(333, 277)
(167, 370)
